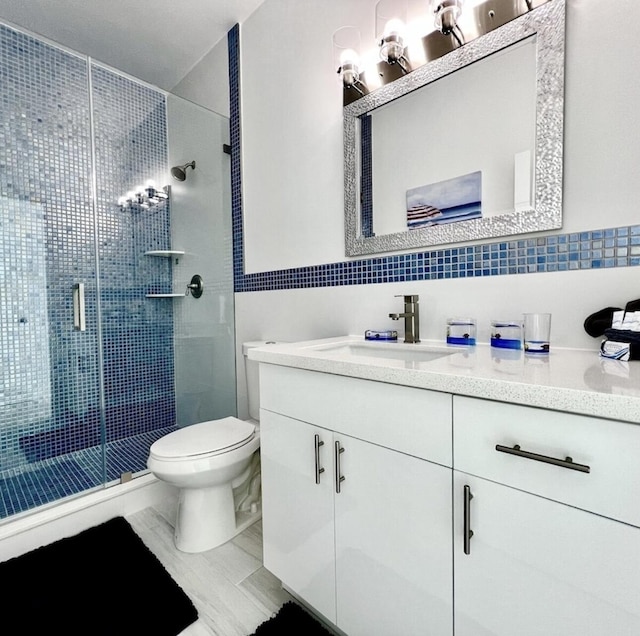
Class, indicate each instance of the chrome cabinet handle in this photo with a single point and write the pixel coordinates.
(563, 463)
(79, 322)
(466, 514)
(317, 443)
(339, 478)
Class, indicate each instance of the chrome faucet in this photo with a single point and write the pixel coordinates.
(411, 317)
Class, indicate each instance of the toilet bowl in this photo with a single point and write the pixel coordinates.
(216, 467)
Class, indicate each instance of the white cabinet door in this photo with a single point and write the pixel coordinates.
(393, 543)
(297, 519)
(540, 568)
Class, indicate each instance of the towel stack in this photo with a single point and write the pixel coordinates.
(620, 328)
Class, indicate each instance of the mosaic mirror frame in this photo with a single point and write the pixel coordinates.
(547, 24)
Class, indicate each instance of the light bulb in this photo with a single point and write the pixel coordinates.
(349, 57)
(392, 42)
(395, 26)
(349, 69)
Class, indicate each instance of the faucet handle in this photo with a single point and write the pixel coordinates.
(408, 298)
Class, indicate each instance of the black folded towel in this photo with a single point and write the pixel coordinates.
(632, 305)
(595, 324)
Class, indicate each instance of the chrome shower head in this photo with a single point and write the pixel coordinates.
(180, 172)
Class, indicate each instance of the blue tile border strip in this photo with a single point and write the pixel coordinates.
(594, 249)
(597, 249)
(233, 44)
(366, 176)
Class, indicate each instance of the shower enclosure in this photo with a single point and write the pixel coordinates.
(101, 350)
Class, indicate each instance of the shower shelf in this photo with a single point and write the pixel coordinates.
(165, 253)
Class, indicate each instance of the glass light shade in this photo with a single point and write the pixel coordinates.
(391, 15)
(395, 26)
(346, 44)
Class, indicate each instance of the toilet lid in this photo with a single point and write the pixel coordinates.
(204, 438)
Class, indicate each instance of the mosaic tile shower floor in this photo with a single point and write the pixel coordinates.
(50, 480)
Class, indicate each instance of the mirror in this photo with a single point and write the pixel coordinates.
(466, 147)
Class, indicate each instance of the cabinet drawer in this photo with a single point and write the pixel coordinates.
(409, 420)
(610, 450)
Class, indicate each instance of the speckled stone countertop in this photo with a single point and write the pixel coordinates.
(569, 380)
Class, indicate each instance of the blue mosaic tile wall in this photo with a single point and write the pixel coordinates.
(60, 386)
(49, 370)
(595, 249)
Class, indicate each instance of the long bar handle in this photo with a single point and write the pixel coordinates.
(339, 478)
(564, 463)
(467, 531)
(317, 443)
(79, 322)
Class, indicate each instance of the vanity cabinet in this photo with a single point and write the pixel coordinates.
(554, 547)
(458, 514)
(356, 482)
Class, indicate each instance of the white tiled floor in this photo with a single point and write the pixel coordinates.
(231, 590)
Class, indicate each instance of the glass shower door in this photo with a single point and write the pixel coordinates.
(130, 137)
(49, 376)
(204, 328)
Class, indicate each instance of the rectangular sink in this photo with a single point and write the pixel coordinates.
(388, 351)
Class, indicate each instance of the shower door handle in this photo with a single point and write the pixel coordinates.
(79, 322)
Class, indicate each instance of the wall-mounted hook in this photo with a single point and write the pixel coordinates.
(196, 286)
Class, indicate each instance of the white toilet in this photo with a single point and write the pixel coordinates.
(216, 466)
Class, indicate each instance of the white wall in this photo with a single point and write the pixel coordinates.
(292, 179)
(292, 126)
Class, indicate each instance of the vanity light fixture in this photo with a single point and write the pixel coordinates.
(446, 14)
(346, 44)
(144, 197)
(391, 29)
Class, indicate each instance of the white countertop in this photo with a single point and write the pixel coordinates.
(569, 380)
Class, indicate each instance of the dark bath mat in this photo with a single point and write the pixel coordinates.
(292, 619)
(103, 581)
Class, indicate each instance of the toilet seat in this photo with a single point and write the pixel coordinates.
(204, 439)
